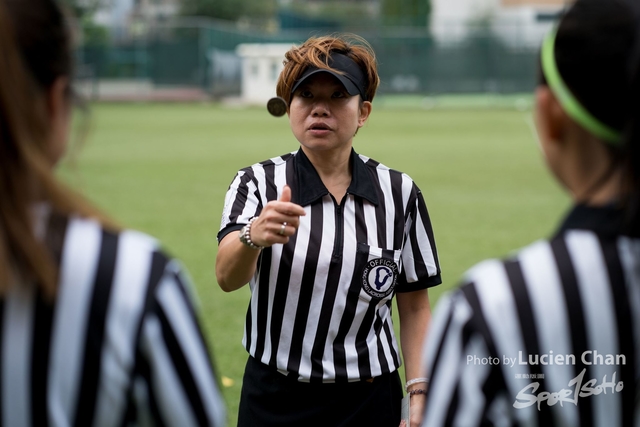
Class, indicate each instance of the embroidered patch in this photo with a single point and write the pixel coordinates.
(379, 277)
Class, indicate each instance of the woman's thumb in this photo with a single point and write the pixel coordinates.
(286, 194)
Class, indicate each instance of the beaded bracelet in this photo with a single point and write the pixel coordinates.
(245, 235)
(418, 391)
(415, 381)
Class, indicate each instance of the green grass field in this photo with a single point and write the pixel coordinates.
(164, 169)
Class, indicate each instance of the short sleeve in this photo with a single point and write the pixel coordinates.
(421, 268)
(463, 389)
(176, 383)
(241, 203)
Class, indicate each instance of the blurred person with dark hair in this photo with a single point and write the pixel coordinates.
(97, 324)
(551, 335)
(326, 238)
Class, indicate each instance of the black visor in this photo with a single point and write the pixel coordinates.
(353, 79)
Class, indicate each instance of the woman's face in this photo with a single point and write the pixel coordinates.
(322, 114)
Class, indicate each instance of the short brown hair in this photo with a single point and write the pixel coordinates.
(316, 51)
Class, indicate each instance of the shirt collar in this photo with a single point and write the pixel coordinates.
(311, 188)
(604, 220)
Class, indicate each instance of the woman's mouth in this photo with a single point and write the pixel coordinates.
(319, 129)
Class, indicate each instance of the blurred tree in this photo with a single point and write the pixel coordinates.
(329, 14)
(231, 10)
(413, 13)
(83, 11)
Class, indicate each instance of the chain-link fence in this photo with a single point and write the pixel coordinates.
(199, 57)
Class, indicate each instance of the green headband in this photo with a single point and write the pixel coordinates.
(569, 103)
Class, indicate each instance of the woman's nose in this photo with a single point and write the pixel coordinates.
(320, 109)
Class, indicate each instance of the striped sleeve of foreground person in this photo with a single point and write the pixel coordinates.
(120, 345)
(546, 338)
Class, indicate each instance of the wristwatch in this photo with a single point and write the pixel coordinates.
(245, 235)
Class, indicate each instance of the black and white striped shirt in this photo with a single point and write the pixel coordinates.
(120, 345)
(548, 337)
(321, 304)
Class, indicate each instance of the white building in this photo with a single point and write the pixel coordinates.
(261, 66)
(520, 23)
(450, 19)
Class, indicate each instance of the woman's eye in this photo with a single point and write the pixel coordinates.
(305, 94)
(339, 94)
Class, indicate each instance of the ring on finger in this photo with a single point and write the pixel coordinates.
(282, 228)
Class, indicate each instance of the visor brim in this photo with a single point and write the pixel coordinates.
(350, 87)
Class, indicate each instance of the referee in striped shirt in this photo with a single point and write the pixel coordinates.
(551, 335)
(97, 325)
(326, 237)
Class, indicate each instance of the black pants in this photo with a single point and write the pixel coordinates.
(272, 399)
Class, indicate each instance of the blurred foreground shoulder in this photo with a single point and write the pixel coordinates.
(142, 303)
